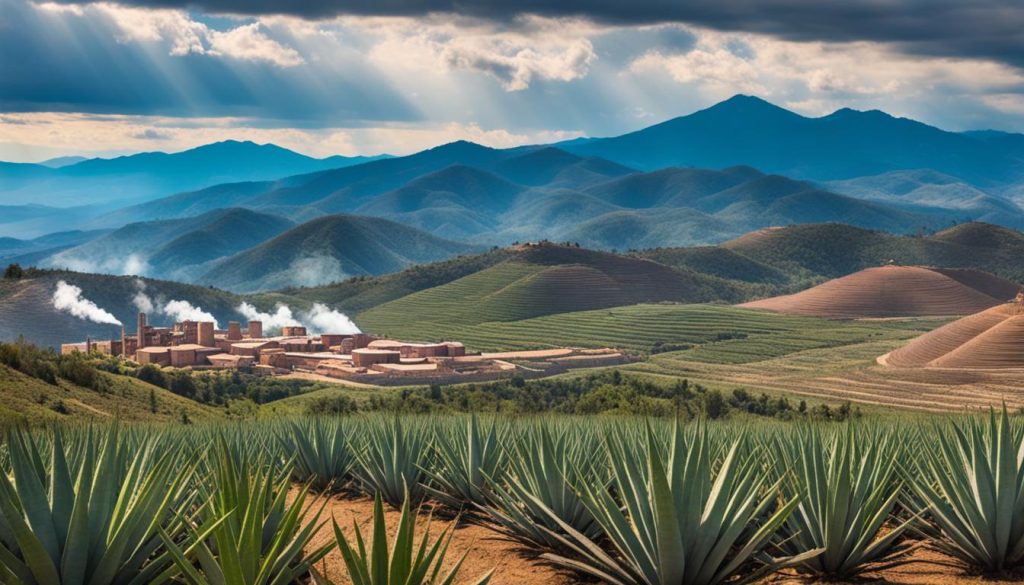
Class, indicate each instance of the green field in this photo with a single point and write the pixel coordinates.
(716, 332)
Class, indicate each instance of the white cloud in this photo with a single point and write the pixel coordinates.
(539, 49)
(185, 35)
(247, 42)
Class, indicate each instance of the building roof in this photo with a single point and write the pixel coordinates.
(154, 349)
(188, 346)
(252, 344)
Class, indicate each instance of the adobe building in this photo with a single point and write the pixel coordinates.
(234, 331)
(366, 357)
(293, 331)
(255, 329)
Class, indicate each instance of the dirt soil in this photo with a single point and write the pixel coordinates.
(516, 565)
(512, 563)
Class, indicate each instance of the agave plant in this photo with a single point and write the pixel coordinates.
(94, 520)
(972, 481)
(851, 489)
(393, 460)
(543, 467)
(323, 455)
(247, 533)
(684, 522)
(467, 462)
(405, 562)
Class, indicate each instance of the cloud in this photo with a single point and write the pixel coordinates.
(68, 299)
(981, 28)
(247, 42)
(187, 36)
(152, 134)
(319, 319)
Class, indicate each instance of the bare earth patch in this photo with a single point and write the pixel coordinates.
(512, 563)
(515, 565)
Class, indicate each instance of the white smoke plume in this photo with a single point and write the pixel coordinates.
(186, 311)
(319, 319)
(282, 317)
(175, 309)
(323, 319)
(68, 298)
(141, 300)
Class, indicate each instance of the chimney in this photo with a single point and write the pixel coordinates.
(205, 335)
(142, 331)
(88, 345)
(256, 329)
(124, 346)
(234, 330)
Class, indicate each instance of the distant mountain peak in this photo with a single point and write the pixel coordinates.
(747, 105)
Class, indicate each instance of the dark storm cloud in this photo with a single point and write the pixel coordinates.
(991, 29)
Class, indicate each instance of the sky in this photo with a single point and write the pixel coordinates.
(395, 76)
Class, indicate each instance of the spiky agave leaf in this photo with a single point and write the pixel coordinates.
(972, 480)
(405, 562)
(324, 456)
(682, 522)
(392, 461)
(850, 489)
(468, 460)
(247, 533)
(543, 467)
(96, 521)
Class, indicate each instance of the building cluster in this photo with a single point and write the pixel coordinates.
(355, 357)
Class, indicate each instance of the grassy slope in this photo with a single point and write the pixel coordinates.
(28, 399)
(542, 281)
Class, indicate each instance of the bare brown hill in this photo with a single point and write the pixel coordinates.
(990, 339)
(894, 291)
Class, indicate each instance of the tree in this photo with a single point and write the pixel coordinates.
(152, 400)
(14, 271)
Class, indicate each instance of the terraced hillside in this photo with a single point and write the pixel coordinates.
(544, 280)
(989, 339)
(894, 291)
(710, 332)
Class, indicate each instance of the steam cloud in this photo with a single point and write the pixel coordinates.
(323, 319)
(178, 310)
(68, 298)
(319, 319)
(282, 317)
(186, 311)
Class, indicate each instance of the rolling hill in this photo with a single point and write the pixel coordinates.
(833, 250)
(140, 177)
(895, 291)
(747, 130)
(172, 248)
(543, 280)
(330, 249)
(989, 339)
